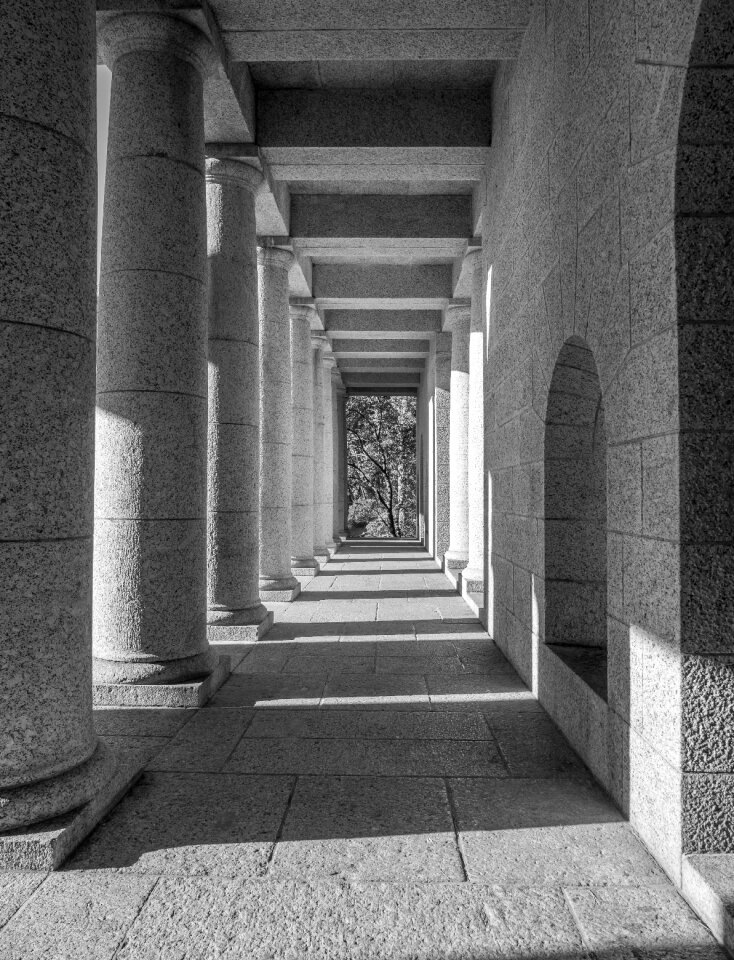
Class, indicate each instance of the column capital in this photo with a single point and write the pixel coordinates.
(277, 257)
(456, 312)
(234, 172)
(303, 313)
(329, 360)
(319, 340)
(133, 32)
(474, 259)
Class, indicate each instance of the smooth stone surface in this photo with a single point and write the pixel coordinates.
(458, 318)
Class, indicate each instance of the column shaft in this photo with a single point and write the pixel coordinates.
(457, 555)
(442, 441)
(319, 534)
(233, 498)
(50, 761)
(276, 424)
(472, 576)
(339, 457)
(328, 501)
(150, 483)
(303, 561)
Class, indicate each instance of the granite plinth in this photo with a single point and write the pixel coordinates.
(284, 595)
(45, 845)
(239, 633)
(192, 694)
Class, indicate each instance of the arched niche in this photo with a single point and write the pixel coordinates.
(576, 515)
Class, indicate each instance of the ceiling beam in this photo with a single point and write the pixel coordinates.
(425, 287)
(380, 364)
(380, 348)
(373, 118)
(324, 216)
(351, 323)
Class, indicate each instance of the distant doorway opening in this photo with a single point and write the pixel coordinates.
(381, 466)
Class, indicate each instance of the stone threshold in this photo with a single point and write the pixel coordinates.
(45, 846)
(707, 883)
(239, 632)
(193, 694)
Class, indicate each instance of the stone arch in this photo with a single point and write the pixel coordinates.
(575, 465)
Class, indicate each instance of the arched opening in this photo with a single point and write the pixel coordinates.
(576, 516)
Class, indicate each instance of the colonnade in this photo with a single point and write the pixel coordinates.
(207, 486)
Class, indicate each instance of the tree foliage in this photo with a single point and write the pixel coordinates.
(381, 448)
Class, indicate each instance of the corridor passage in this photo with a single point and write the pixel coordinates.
(373, 781)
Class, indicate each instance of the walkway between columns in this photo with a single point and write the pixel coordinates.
(373, 781)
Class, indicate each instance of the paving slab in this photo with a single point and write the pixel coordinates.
(389, 828)
(345, 757)
(308, 664)
(369, 725)
(139, 722)
(15, 888)
(470, 692)
(647, 923)
(75, 916)
(329, 920)
(205, 743)
(268, 690)
(405, 692)
(189, 824)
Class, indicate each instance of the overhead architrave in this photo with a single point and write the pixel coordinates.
(365, 380)
(421, 287)
(381, 348)
(345, 324)
(373, 118)
(381, 364)
(331, 216)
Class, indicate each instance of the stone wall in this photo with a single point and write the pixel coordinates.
(580, 232)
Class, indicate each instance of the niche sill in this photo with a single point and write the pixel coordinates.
(588, 663)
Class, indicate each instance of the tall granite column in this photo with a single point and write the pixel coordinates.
(233, 492)
(320, 550)
(458, 318)
(51, 760)
(276, 423)
(340, 462)
(329, 460)
(442, 441)
(303, 563)
(150, 483)
(472, 576)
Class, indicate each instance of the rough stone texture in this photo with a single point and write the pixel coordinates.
(458, 318)
(47, 336)
(233, 503)
(150, 479)
(327, 504)
(169, 693)
(442, 441)
(276, 424)
(708, 885)
(302, 520)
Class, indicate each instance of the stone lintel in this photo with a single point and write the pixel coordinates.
(348, 323)
(193, 694)
(45, 846)
(380, 364)
(421, 284)
(345, 44)
(373, 117)
(382, 379)
(324, 216)
(355, 348)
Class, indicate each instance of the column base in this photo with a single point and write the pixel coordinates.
(321, 553)
(453, 563)
(151, 672)
(279, 591)
(194, 693)
(246, 616)
(240, 633)
(304, 568)
(46, 844)
(332, 546)
(472, 580)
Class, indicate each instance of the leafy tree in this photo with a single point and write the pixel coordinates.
(382, 465)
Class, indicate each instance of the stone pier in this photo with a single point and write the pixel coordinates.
(303, 562)
(472, 576)
(320, 549)
(330, 541)
(277, 583)
(458, 318)
(233, 501)
(150, 481)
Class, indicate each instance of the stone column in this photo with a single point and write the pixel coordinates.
(328, 501)
(339, 455)
(320, 550)
(233, 493)
(442, 441)
(150, 483)
(458, 318)
(51, 760)
(276, 421)
(303, 563)
(472, 576)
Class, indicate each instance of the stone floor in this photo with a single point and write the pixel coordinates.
(373, 781)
